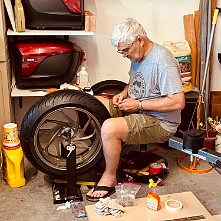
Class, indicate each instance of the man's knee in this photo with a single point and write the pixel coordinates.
(108, 127)
(114, 127)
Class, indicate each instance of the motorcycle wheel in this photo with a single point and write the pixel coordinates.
(108, 86)
(41, 131)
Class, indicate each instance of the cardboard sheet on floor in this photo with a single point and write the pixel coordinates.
(191, 207)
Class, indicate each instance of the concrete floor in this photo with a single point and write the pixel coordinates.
(34, 201)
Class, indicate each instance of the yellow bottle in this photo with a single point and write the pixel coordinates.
(13, 166)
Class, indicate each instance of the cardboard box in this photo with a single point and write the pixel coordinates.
(191, 207)
(215, 104)
(90, 22)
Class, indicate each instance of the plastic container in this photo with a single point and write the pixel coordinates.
(210, 144)
(153, 198)
(83, 78)
(83, 64)
(153, 201)
(77, 209)
(13, 165)
(182, 53)
(218, 143)
(10, 133)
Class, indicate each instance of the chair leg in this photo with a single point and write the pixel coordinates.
(143, 147)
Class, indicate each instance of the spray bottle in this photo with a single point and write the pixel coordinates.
(153, 199)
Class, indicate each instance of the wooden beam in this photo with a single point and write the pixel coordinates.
(190, 37)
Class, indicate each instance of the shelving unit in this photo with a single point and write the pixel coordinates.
(29, 32)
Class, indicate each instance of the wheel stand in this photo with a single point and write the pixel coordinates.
(66, 190)
(193, 165)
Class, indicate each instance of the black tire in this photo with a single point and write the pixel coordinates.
(108, 86)
(41, 128)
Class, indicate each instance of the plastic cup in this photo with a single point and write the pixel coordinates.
(10, 132)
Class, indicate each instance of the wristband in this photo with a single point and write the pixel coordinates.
(140, 108)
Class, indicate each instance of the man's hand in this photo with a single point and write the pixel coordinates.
(128, 105)
(117, 99)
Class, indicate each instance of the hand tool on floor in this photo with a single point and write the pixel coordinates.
(78, 182)
(188, 218)
(19, 16)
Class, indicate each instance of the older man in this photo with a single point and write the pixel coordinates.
(148, 110)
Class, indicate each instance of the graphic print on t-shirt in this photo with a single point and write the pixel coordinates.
(137, 86)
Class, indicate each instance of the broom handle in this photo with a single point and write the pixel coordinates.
(215, 18)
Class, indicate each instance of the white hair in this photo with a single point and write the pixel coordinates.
(127, 31)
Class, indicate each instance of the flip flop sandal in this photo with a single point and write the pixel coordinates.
(110, 191)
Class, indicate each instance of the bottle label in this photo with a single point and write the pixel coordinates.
(152, 203)
(185, 66)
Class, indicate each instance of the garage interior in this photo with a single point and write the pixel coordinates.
(35, 199)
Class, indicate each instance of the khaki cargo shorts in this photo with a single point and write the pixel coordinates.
(143, 129)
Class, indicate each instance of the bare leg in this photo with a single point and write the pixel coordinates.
(113, 132)
(104, 100)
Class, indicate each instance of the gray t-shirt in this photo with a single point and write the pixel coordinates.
(157, 76)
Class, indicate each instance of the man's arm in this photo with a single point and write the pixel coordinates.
(171, 102)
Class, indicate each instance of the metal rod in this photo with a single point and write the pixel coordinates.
(203, 38)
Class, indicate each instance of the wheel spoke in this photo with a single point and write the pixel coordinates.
(85, 127)
(53, 129)
(51, 140)
(70, 120)
(84, 138)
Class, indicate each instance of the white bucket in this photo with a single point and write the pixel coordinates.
(218, 143)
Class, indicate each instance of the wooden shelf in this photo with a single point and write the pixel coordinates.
(10, 32)
(15, 92)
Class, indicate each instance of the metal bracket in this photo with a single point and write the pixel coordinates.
(66, 190)
(208, 155)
